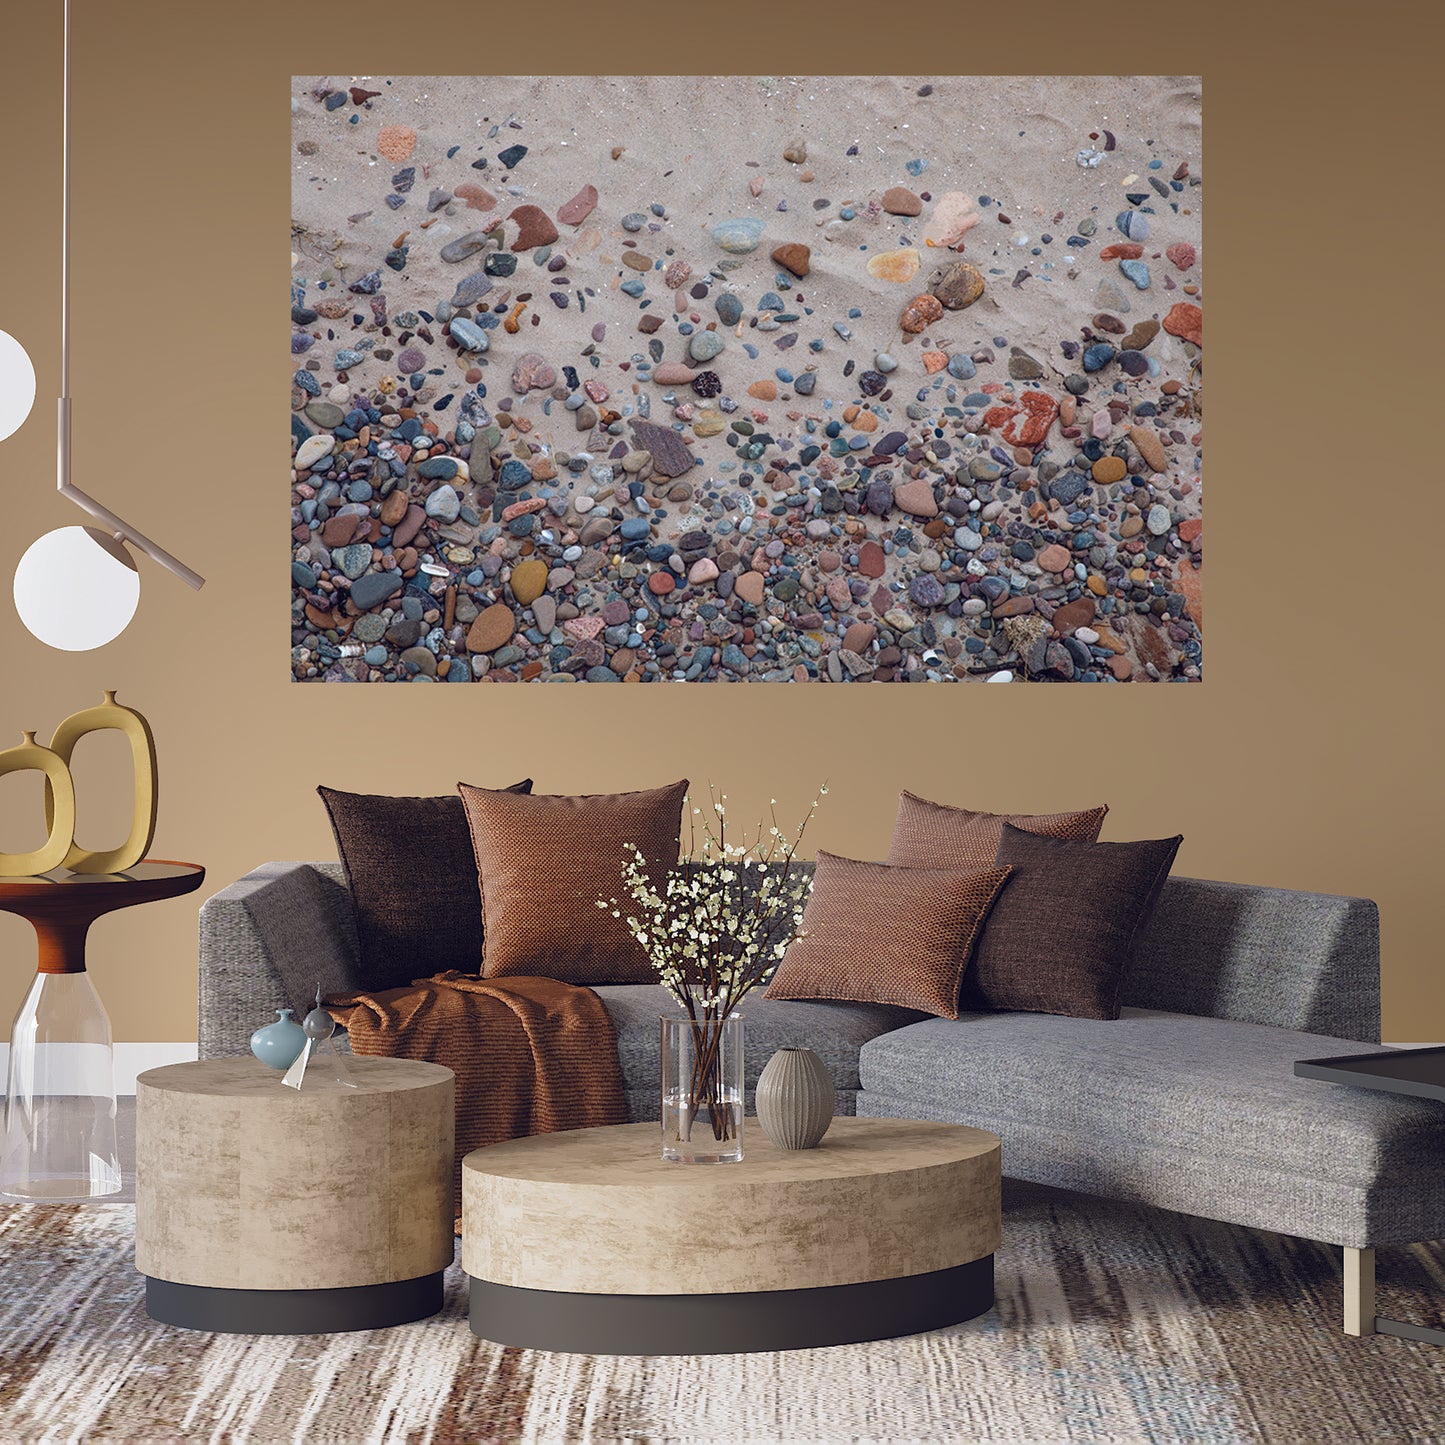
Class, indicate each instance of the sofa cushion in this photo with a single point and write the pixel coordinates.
(935, 835)
(545, 861)
(873, 933)
(1203, 1115)
(1060, 938)
(834, 1031)
(413, 884)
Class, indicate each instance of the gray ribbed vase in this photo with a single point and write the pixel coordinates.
(795, 1099)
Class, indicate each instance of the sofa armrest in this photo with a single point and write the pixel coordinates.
(265, 943)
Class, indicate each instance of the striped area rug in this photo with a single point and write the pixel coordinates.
(1112, 1324)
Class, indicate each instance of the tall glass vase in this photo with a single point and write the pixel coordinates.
(59, 1140)
(702, 1090)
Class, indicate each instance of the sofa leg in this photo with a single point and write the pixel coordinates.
(1359, 1291)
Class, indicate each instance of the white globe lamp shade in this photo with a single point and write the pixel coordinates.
(17, 385)
(76, 588)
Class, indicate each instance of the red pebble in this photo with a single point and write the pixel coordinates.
(661, 583)
(1182, 254)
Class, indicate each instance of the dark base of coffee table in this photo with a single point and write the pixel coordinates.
(723, 1324)
(293, 1311)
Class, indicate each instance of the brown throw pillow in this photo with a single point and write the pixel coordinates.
(545, 861)
(933, 835)
(880, 934)
(413, 883)
(1063, 933)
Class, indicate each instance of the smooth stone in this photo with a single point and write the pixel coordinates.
(705, 345)
(464, 246)
(529, 580)
(313, 449)
(750, 588)
(444, 505)
(467, 334)
(916, 497)
(1054, 558)
(373, 589)
(961, 285)
(729, 308)
(895, 266)
(325, 413)
(575, 211)
(1158, 519)
(793, 256)
(534, 227)
(900, 201)
(1137, 272)
(493, 628)
(1148, 445)
(738, 235)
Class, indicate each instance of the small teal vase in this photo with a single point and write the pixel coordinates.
(279, 1044)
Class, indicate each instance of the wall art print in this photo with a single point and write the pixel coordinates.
(746, 379)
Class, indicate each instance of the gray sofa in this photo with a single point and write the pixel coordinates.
(1187, 1102)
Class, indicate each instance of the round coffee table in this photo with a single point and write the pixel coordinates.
(587, 1241)
(262, 1209)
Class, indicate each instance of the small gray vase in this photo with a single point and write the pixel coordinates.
(795, 1099)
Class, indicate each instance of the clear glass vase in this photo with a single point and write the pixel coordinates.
(702, 1090)
(59, 1142)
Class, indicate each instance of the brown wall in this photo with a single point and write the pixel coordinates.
(1308, 759)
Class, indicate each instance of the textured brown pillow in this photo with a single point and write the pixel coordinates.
(545, 861)
(1061, 938)
(933, 835)
(413, 883)
(880, 934)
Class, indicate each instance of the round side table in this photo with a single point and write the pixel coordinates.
(262, 1209)
(59, 1141)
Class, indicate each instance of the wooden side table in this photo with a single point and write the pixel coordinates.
(262, 1209)
(59, 1140)
(588, 1241)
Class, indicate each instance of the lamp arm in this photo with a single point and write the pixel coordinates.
(103, 514)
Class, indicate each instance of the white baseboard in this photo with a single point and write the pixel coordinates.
(130, 1060)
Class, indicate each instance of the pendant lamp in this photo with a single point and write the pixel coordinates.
(78, 587)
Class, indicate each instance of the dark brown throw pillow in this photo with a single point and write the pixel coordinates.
(880, 934)
(413, 883)
(1061, 937)
(934, 835)
(545, 861)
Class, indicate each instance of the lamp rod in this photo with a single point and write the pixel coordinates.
(64, 485)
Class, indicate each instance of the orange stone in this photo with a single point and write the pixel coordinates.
(934, 361)
(1028, 423)
(896, 266)
(1110, 469)
(396, 142)
(1189, 582)
(1186, 320)
(865, 421)
(1191, 529)
(764, 390)
(794, 257)
(1122, 251)
(920, 313)
(476, 197)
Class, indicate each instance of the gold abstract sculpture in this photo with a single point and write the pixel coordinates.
(61, 849)
(59, 808)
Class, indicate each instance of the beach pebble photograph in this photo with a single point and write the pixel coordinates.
(830, 379)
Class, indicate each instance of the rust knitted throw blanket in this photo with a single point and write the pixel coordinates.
(531, 1055)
